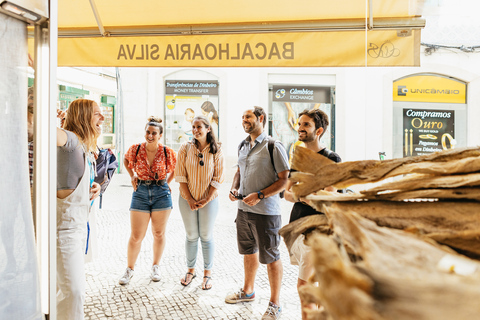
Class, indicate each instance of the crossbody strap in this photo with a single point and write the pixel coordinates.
(166, 165)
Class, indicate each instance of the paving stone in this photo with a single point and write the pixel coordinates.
(168, 299)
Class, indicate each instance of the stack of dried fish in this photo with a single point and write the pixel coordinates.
(394, 275)
(445, 184)
(367, 269)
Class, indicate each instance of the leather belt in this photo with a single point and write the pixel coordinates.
(150, 182)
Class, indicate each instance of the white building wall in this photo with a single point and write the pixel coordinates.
(363, 99)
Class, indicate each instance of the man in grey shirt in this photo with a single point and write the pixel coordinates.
(257, 183)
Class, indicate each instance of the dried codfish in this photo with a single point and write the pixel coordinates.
(397, 276)
(324, 173)
(444, 194)
(452, 223)
(427, 217)
(291, 231)
(428, 181)
(424, 194)
(464, 242)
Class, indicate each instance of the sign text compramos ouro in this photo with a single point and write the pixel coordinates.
(428, 114)
(209, 51)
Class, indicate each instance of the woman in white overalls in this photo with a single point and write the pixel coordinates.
(76, 144)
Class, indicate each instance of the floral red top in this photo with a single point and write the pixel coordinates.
(158, 170)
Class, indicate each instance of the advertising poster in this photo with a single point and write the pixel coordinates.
(185, 99)
(427, 131)
(288, 102)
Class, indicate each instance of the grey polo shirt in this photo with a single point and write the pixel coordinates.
(257, 173)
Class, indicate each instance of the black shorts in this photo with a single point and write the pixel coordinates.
(258, 232)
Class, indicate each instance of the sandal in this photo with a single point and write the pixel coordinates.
(204, 285)
(185, 283)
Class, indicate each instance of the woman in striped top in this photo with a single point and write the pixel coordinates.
(200, 172)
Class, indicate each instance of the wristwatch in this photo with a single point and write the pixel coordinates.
(260, 195)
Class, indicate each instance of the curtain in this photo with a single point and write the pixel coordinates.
(19, 283)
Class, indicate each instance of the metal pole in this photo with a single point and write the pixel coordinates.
(45, 169)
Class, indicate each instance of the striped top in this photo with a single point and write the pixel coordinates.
(198, 178)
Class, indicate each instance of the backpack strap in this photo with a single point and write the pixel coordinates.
(271, 146)
(166, 165)
(240, 146)
(136, 155)
(138, 149)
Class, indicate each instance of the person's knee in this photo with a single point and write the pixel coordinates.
(206, 237)
(159, 235)
(192, 237)
(277, 264)
(136, 238)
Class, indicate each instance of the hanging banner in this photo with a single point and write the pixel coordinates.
(427, 131)
(300, 49)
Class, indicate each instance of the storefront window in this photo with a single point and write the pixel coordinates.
(185, 99)
(68, 94)
(429, 113)
(288, 101)
(107, 104)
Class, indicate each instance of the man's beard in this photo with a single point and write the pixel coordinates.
(307, 138)
(249, 129)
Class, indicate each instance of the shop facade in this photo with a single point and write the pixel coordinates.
(366, 118)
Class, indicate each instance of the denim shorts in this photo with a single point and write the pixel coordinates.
(259, 232)
(150, 198)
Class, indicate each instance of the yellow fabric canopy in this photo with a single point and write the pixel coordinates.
(79, 14)
(248, 33)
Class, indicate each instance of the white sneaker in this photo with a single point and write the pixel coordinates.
(126, 277)
(155, 275)
(273, 312)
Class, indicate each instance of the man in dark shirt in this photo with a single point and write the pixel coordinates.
(312, 125)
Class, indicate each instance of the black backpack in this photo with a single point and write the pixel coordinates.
(106, 164)
(271, 146)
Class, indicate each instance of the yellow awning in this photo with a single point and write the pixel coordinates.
(221, 33)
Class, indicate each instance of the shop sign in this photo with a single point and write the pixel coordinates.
(68, 96)
(191, 88)
(282, 49)
(429, 88)
(301, 94)
(427, 131)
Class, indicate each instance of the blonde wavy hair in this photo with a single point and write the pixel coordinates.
(79, 121)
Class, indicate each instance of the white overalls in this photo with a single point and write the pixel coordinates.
(72, 216)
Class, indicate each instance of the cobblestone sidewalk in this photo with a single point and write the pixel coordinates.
(168, 299)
